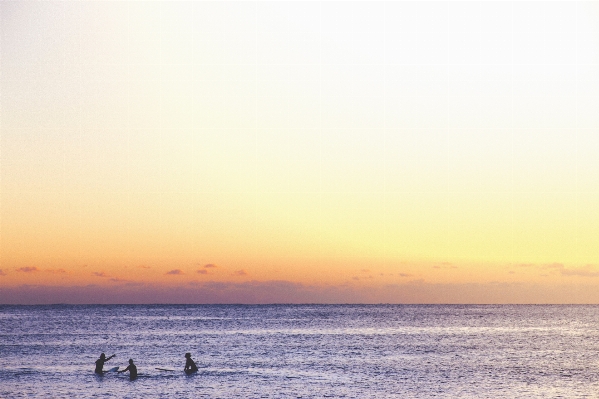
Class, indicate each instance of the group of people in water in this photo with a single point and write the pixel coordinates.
(190, 366)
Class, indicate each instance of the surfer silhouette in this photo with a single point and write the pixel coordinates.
(100, 363)
(132, 368)
(190, 366)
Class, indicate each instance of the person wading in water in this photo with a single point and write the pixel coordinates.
(132, 370)
(190, 366)
(100, 363)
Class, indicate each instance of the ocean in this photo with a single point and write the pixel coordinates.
(302, 351)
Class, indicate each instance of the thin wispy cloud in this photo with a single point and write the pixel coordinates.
(56, 271)
(202, 271)
(558, 266)
(586, 271)
(28, 269)
(445, 265)
(175, 272)
(210, 266)
(99, 274)
(240, 273)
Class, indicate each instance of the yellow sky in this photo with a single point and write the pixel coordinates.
(318, 143)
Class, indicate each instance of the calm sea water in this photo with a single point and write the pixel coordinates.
(302, 351)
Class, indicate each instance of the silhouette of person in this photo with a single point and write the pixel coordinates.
(100, 363)
(190, 366)
(132, 370)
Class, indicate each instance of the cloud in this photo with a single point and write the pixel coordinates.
(210, 266)
(28, 269)
(175, 272)
(144, 267)
(2, 273)
(118, 280)
(561, 269)
(202, 271)
(445, 265)
(553, 266)
(365, 270)
(56, 271)
(99, 274)
(586, 271)
(240, 273)
(582, 272)
(405, 275)
(274, 291)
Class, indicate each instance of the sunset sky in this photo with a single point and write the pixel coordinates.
(299, 151)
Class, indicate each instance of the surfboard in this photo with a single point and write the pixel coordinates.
(163, 369)
(113, 369)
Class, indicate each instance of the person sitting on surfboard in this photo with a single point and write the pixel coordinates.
(190, 366)
(100, 363)
(132, 370)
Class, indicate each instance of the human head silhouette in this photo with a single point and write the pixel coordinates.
(188, 355)
(102, 356)
(130, 361)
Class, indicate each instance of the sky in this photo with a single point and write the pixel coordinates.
(294, 152)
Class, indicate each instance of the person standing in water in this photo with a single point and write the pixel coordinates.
(132, 368)
(100, 363)
(190, 366)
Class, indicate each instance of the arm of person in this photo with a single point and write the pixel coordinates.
(122, 371)
(109, 357)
